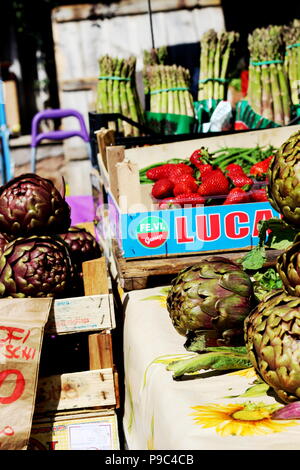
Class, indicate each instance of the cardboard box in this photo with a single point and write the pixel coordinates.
(142, 230)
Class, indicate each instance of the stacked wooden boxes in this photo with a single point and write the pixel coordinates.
(77, 410)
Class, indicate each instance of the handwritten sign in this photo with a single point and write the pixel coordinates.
(22, 324)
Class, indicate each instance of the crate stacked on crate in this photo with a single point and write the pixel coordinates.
(149, 243)
(77, 410)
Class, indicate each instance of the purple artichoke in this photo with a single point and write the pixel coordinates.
(83, 246)
(37, 266)
(31, 205)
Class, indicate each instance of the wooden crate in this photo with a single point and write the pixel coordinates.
(91, 315)
(133, 273)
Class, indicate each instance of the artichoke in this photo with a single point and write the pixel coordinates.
(37, 266)
(3, 242)
(284, 180)
(210, 301)
(83, 246)
(288, 268)
(272, 333)
(31, 205)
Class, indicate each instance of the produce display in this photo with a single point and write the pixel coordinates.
(41, 254)
(117, 93)
(268, 90)
(199, 298)
(169, 89)
(225, 176)
(292, 40)
(215, 54)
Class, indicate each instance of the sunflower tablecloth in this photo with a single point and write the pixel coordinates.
(208, 410)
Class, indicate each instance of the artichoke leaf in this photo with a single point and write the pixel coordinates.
(217, 358)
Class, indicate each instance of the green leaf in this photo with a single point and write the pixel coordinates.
(218, 359)
(254, 259)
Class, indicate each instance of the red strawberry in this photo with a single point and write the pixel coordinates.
(214, 184)
(196, 159)
(169, 203)
(259, 195)
(204, 169)
(240, 180)
(192, 199)
(259, 170)
(234, 168)
(158, 172)
(162, 188)
(168, 170)
(186, 184)
(236, 196)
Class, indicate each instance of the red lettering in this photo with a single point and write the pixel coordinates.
(28, 353)
(231, 225)
(11, 351)
(261, 215)
(181, 231)
(19, 387)
(214, 227)
(10, 333)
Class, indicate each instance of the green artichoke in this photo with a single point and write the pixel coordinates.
(272, 333)
(210, 301)
(284, 180)
(37, 266)
(288, 268)
(31, 205)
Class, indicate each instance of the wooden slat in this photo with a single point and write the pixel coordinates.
(95, 277)
(94, 388)
(85, 83)
(105, 138)
(100, 351)
(126, 7)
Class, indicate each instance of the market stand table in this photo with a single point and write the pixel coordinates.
(210, 410)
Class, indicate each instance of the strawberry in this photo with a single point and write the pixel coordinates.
(169, 203)
(162, 188)
(195, 158)
(236, 196)
(260, 169)
(259, 195)
(186, 184)
(204, 169)
(192, 199)
(240, 180)
(168, 170)
(216, 183)
(234, 168)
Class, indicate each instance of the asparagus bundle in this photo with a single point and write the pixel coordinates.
(169, 89)
(117, 92)
(216, 51)
(268, 93)
(292, 59)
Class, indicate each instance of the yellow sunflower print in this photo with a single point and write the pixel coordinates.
(240, 419)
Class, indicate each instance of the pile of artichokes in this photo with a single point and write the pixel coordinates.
(215, 300)
(41, 255)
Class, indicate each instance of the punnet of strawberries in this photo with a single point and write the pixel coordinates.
(226, 176)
